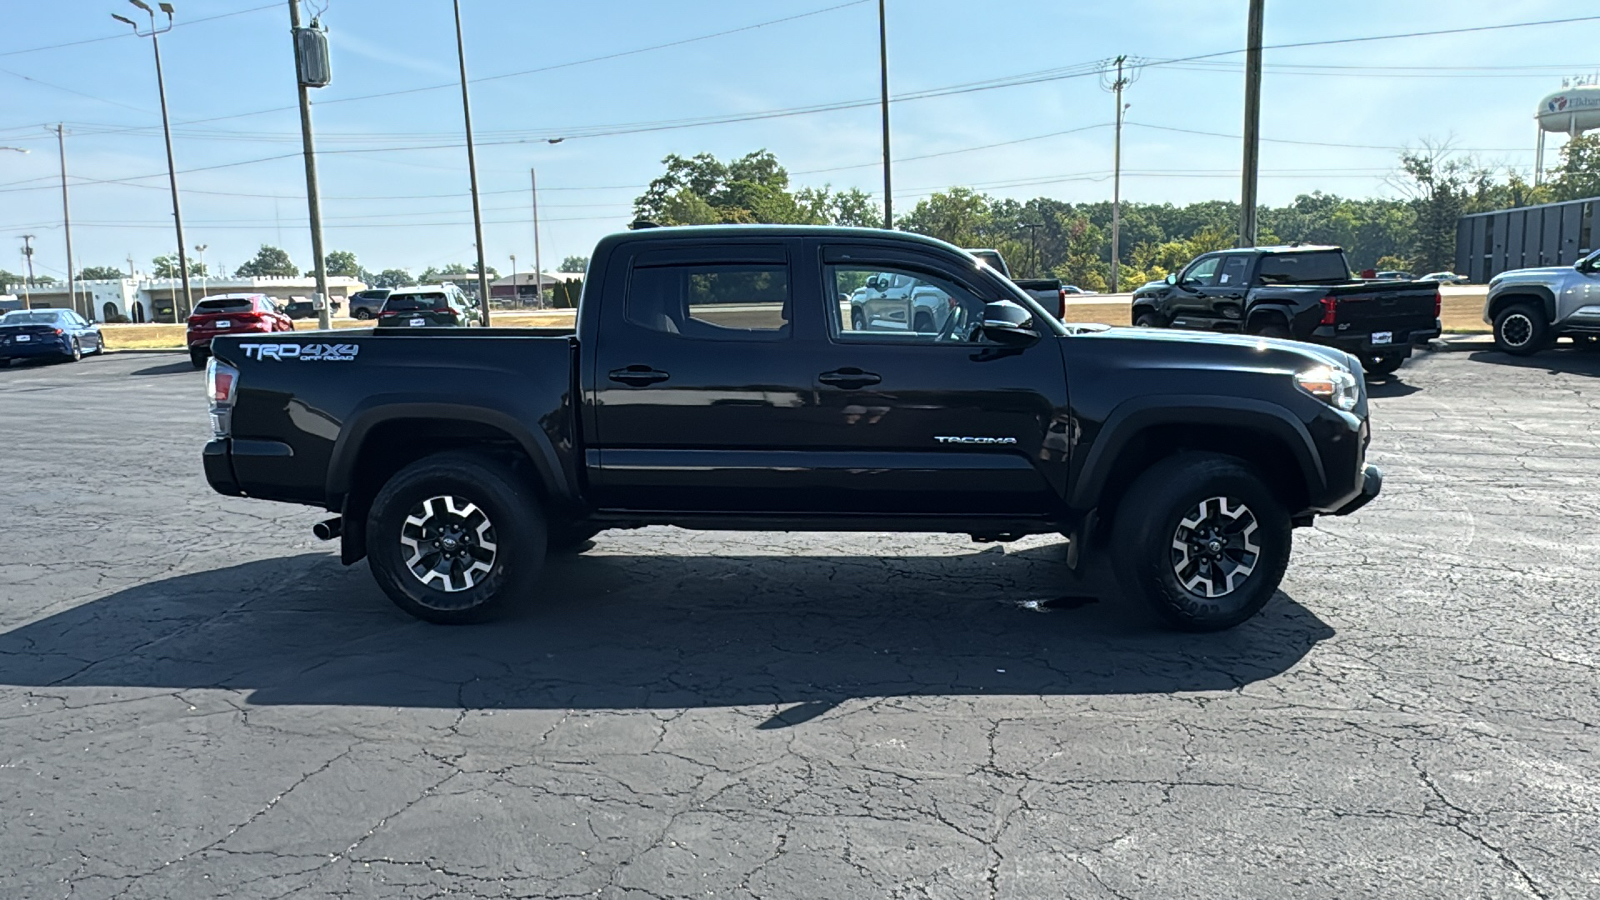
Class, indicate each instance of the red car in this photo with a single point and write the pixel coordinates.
(231, 314)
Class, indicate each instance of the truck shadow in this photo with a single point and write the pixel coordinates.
(1563, 360)
(620, 631)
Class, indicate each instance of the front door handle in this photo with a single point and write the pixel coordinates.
(638, 376)
(849, 378)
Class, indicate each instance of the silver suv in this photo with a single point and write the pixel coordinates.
(1531, 308)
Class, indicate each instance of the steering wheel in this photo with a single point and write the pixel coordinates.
(948, 331)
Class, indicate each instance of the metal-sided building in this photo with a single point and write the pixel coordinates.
(1553, 234)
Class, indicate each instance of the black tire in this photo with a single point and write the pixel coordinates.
(566, 539)
(493, 515)
(1521, 330)
(197, 358)
(1146, 319)
(363, 314)
(857, 321)
(1382, 364)
(923, 324)
(1272, 328)
(1226, 493)
(77, 352)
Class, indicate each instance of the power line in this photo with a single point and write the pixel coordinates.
(565, 65)
(112, 37)
(1317, 143)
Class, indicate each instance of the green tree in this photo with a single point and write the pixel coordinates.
(391, 278)
(166, 266)
(269, 261)
(1578, 175)
(1438, 185)
(342, 262)
(455, 272)
(574, 264)
(702, 190)
(960, 216)
(101, 273)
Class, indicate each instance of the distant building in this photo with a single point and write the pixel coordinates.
(144, 299)
(1527, 237)
(523, 288)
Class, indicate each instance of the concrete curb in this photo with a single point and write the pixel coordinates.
(146, 350)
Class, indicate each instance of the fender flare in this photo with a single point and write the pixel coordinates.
(1132, 417)
(346, 450)
(1256, 313)
(1510, 292)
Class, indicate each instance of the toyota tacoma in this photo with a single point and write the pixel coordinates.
(712, 380)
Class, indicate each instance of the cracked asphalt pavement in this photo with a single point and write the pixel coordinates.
(197, 700)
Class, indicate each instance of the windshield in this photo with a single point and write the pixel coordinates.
(415, 302)
(1317, 267)
(33, 317)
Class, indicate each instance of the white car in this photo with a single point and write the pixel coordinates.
(1445, 278)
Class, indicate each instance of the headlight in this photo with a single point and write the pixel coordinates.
(1333, 386)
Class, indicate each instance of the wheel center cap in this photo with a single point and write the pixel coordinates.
(1215, 546)
(449, 543)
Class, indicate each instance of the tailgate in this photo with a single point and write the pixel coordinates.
(1398, 308)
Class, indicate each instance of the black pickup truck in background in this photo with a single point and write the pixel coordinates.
(1050, 292)
(714, 380)
(1305, 293)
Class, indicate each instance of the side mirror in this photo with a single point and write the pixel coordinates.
(1007, 323)
(1172, 278)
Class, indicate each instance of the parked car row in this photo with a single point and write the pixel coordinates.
(47, 334)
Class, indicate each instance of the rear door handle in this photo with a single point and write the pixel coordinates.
(849, 378)
(638, 376)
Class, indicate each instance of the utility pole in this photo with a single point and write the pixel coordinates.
(883, 70)
(166, 130)
(201, 250)
(1252, 127)
(66, 223)
(538, 261)
(514, 295)
(1116, 86)
(472, 174)
(313, 194)
(27, 286)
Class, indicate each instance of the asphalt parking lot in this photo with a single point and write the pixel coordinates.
(197, 700)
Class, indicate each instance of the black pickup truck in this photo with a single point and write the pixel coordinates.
(713, 380)
(1301, 292)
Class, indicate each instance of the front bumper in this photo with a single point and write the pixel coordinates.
(1371, 485)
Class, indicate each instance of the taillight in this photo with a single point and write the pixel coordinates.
(1061, 307)
(222, 382)
(1438, 303)
(1330, 310)
(60, 332)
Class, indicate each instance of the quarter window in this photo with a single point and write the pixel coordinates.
(712, 301)
(1234, 270)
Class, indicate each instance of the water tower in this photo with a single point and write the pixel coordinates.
(1571, 111)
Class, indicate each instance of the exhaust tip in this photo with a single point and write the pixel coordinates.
(330, 529)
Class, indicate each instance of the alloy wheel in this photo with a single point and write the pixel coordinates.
(1214, 548)
(448, 543)
(1517, 330)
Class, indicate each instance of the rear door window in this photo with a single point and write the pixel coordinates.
(1235, 269)
(712, 301)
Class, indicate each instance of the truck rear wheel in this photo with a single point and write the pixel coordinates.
(1146, 319)
(1520, 329)
(1203, 540)
(455, 538)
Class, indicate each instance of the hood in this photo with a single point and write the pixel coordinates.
(1247, 348)
(1540, 274)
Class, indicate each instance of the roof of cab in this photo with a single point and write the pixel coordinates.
(723, 232)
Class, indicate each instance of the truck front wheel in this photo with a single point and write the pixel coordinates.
(1202, 539)
(1521, 330)
(455, 538)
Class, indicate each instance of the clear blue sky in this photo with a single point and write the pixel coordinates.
(215, 70)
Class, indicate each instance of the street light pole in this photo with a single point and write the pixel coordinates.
(514, 295)
(66, 224)
(883, 74)
(472, 173)
(166, 130)
(538, 261)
